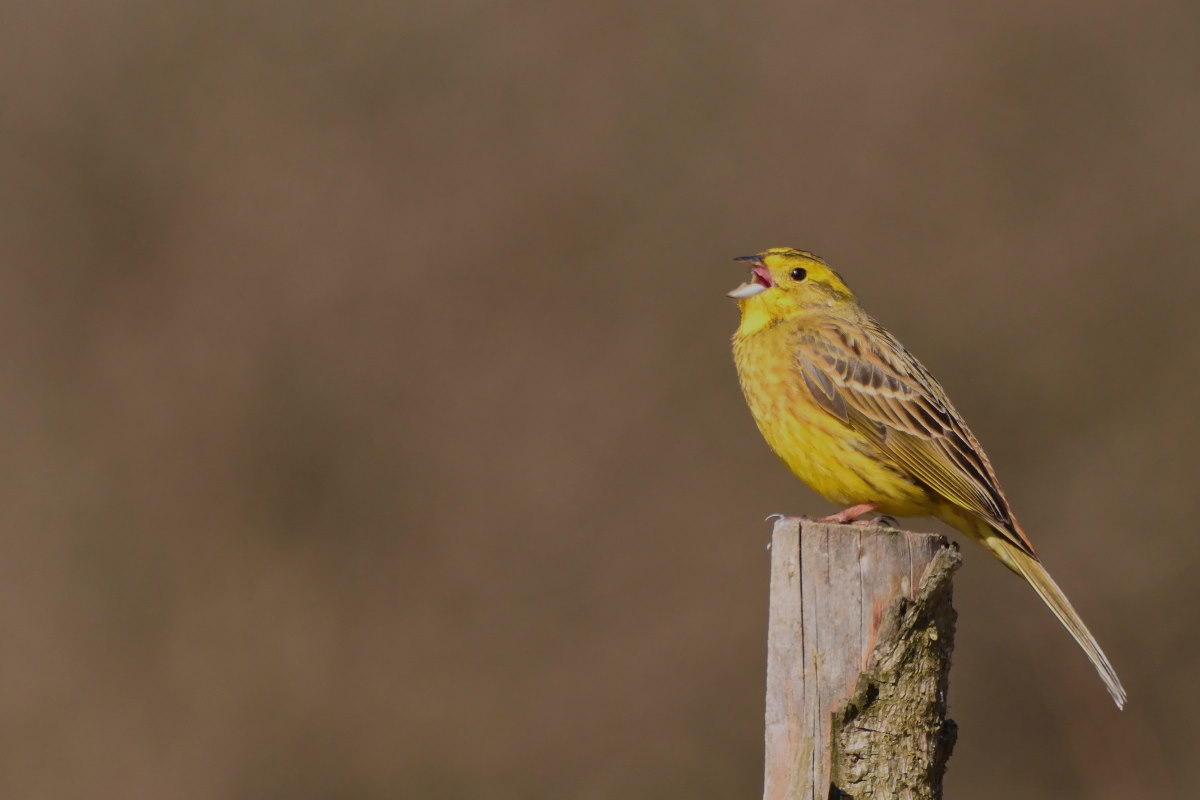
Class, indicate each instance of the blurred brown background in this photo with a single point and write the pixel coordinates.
(370, 428)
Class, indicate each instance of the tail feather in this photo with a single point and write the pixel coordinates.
(1029, 568)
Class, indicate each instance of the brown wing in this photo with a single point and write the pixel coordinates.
(863, 376)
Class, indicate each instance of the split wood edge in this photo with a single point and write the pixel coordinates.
(858, 663)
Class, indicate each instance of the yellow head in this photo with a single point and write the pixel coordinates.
(785, 283)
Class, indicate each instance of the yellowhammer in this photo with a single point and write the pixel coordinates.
(855, 416)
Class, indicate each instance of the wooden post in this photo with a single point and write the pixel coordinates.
(858, 658)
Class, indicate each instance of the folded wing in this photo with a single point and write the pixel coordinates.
(869, 381)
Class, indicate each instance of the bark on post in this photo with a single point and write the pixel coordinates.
(858, 658)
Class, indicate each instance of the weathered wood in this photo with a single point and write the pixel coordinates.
(858, 656)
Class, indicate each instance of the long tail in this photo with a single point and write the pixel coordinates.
(1029, 568)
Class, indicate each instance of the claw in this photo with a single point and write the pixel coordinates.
(882, 521)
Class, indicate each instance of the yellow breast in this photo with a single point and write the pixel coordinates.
(831, 457)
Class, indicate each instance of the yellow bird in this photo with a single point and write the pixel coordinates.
(855, 416)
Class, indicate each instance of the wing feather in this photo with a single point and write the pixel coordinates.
(863, 376)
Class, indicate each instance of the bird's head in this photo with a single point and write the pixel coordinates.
(785, 283)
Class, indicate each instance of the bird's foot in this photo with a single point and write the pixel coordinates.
(783, 518)
(851, 514)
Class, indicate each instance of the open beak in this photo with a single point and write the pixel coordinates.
(760, 279)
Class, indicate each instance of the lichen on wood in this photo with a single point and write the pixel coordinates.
(891, 739)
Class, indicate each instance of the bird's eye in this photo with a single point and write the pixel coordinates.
(799, 274)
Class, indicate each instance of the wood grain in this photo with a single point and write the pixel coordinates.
(846, 639)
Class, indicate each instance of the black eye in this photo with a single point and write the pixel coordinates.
(799, 274)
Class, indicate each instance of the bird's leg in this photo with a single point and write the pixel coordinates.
(847, 515)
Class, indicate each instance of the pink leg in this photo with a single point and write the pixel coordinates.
(850, 514)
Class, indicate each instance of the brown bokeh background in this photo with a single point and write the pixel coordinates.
(369, 423)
